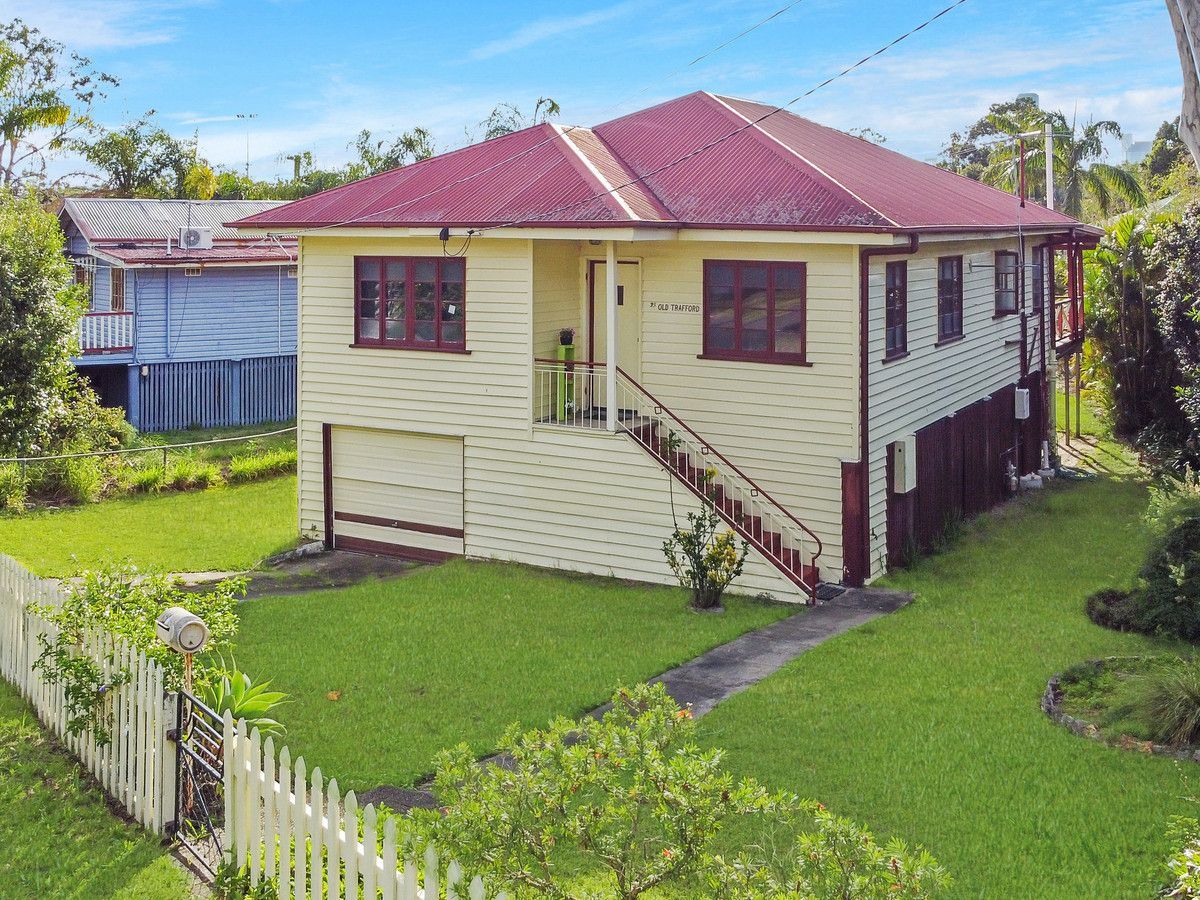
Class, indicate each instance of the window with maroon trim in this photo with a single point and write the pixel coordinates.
(413, 302)
(1006, 282)
(895, 304)
(950, 297)
(754, 311)
(1038, 276)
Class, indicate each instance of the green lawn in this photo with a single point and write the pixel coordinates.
(925, 724)
(458, 652)
(218, 529)
(221, 453)
(57, 836)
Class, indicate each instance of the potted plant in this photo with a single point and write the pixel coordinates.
(566, 337)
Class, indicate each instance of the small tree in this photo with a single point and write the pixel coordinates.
(379, 155)
(141, 159)
(1176, 257)
(705, 557)
(833, 858)
(630, 794)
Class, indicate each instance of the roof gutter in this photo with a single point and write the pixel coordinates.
(865, 255)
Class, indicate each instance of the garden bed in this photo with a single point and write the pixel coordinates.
(1096, 699)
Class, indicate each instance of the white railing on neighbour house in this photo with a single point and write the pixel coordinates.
(137, 766)
(285, 824)
(101, 332)
(573, 395)
(271, 807)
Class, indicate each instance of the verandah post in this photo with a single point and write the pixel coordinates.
(610, 349)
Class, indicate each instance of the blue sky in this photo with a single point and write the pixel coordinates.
(315, 72)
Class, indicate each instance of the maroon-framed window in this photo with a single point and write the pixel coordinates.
(755, 311)
(1038, 277)
(895, 306)
(1006, 282)
(412, 302)
(950, 297)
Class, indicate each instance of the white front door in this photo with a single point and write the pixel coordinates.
(629, 321)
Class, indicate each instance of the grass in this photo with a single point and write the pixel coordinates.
(220, 453)
(925, 725)
(59, 838)
(459, 652)
(230, 528)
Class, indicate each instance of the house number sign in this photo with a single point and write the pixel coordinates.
(675, 307)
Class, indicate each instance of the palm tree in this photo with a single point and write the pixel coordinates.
(24, 109)
(1078, 171)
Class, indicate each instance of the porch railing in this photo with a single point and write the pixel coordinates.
(572, 394)
(1068, 320)
(106, 332)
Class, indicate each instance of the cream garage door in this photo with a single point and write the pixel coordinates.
(397, 492)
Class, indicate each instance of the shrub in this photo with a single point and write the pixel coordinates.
(630, 793)
(81, 480)
(145, 479)
(1183, 867)
(125, 603)
(1113, 608)
(252, 466)
(1167, 700)
(1173, 499)
(1169, 599)
(189, 473)
(835, 858)
(14, 487)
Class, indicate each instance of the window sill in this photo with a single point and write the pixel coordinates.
(751, 358)
(952, 339)
(894, 357)
(1004, 315)
(367, 345)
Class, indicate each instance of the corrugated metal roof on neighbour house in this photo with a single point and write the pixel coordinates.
(718, 168)
(125, 219)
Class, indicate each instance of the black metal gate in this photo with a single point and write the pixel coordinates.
(199, 780)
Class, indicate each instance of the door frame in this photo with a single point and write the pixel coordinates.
(590, 277)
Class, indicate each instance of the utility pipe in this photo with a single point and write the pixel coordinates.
(610, 369)
(865, 255)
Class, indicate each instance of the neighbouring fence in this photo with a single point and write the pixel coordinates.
(137, 766)
(212, 393)
(272, 817)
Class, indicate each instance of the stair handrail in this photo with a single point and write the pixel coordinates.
(724, 461)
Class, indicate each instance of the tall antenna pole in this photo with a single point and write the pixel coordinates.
(247, 117)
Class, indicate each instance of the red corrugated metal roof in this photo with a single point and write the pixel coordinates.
(222, 253)
(786, 172)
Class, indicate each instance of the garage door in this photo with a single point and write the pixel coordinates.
(397, 492)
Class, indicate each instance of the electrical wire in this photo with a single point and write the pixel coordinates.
(554, 137)
(739, 130)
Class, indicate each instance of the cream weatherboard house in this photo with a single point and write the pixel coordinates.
(849, 343)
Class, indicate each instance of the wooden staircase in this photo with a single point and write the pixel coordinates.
(747, 509)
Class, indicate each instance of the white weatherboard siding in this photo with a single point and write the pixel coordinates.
(933, 382)
(574, 499)
(787, 427)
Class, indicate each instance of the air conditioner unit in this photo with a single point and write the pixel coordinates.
(1022, 404)
(904, 464)
(195, 238)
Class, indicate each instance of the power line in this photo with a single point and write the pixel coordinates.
(740, 129)
(779, 12)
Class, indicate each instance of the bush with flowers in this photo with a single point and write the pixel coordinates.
(704, 556)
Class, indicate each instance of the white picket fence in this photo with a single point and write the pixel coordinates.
(137, 766)
(279, 822)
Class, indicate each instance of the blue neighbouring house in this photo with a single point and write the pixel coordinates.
(188, 322)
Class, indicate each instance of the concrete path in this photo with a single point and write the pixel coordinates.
(725, 670)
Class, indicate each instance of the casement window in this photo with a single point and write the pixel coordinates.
(895, 305)
(414, 302)
(754, 311)
(1037, 275)
(116, 290)
(950, 298)
(1006, 282)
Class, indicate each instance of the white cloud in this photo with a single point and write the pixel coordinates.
(543, 29)
(100, 24)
